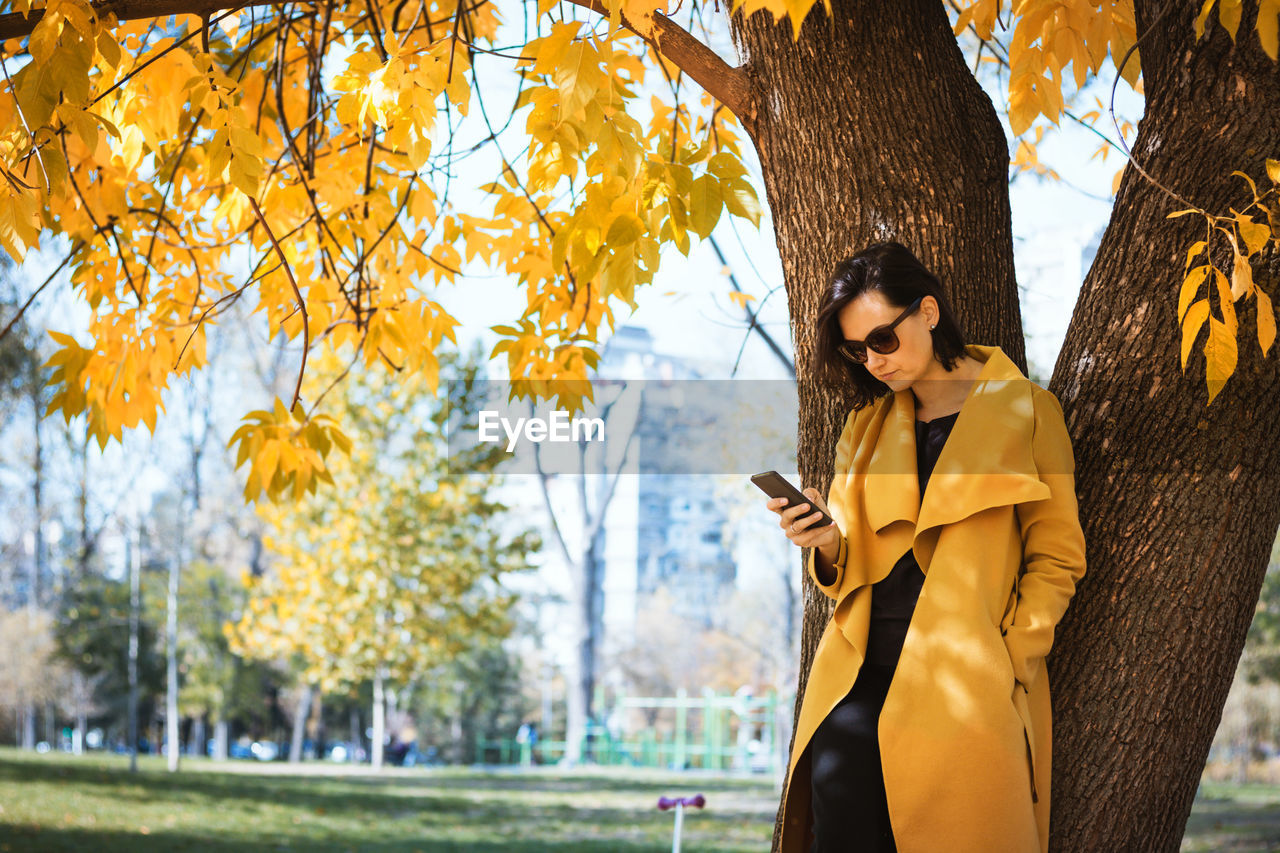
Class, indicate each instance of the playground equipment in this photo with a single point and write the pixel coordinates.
(710, 731)
(678, 803)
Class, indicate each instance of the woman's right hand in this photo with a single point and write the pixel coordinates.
(796, 522)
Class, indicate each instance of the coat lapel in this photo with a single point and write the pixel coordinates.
(986, 461)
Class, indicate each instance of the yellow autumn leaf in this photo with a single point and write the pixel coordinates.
(1266, 320)
(1226, 303)
(1241, 275)
(1229, 16)
(705, 205)
(1220, 356)
(1268, 12)
(1255, 234)
(1190, 287)
(1200, 18)
(1196, 314)
(1196, 248)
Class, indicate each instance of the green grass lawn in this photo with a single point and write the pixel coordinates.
(59, 802)
(1235, 818)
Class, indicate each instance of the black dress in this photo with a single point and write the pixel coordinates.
(849, 809)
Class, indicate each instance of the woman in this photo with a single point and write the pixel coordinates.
(926, 721)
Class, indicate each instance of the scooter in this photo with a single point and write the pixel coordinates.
(664, 803)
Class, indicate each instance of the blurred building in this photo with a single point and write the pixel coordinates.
(674, 520)
(1051, 264)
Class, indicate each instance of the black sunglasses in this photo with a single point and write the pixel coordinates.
(882, 339)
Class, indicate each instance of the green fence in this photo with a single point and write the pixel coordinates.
(716, 741)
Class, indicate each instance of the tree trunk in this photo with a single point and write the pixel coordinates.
(871, 127)
(135, 572)
(36, 573)
(37, 493)
(220, 739)
(357, 740)
(589, 602)
(456, 735)
(379, 720)
(300, 715)
(587, 569)
(317, 699)
(172, 720)
(29, 725)
(197, 746)
(77, 737)
(81, 696)
(1179, 529)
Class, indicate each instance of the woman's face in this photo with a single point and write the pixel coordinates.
(914, 355)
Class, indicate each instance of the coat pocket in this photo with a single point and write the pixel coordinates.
(1023, 708)
(1011, 605)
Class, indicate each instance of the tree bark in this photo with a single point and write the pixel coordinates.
(135, 573)
(871, 127)
(1180, 528)
(172, 719)
(317, 699)
(587, 573)
(220, 739)
(36, 575)
(589, 602)
(379, 721)
(196, 746)
(300, 715)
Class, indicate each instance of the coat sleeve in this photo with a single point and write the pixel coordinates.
(844, 451)
(1053, 545)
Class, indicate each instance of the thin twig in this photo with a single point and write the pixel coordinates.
(75, 247)
(376, 22)
(17, 102)
(126, 78)
(288, 271)
(164, 199)
(1111, 108)
(316, 404)
(457, 17)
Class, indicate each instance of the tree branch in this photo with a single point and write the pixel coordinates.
(727, 84)
(17, 25)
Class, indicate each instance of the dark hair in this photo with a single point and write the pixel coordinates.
(900, 277)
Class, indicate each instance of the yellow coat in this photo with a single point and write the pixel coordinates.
(965, 731)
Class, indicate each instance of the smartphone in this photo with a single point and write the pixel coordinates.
(775, 485)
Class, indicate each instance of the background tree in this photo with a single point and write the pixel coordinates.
(30, 673)
(579, 535)
(208, 596)
(93, 637)
(394, 569)
(469, 699)
(1262, 663)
